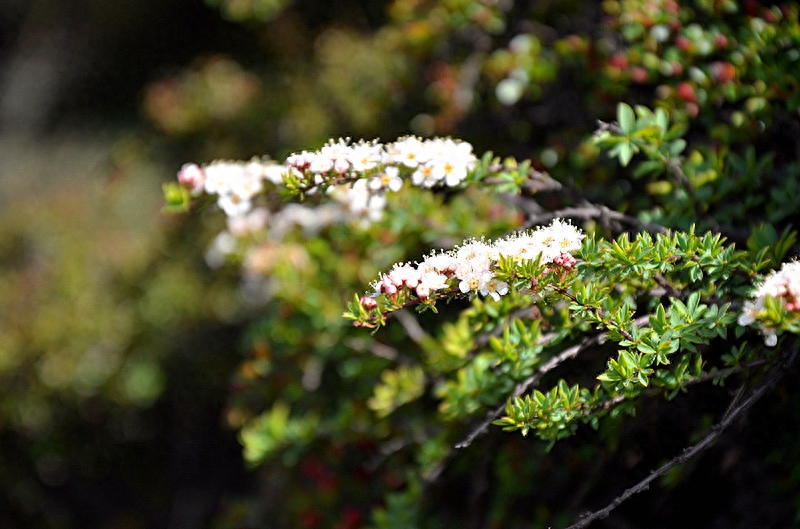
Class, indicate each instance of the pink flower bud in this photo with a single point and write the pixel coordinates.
(388, 287)
(368, 303)
(192, 177)
(565, 260)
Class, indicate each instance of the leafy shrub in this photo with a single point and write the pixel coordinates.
(658, 129)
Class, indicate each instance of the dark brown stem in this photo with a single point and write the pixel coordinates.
(734, 412)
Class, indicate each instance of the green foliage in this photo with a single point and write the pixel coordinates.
(398, 386)
(646, 131)
(528, 401)
(690, 100)
(550, 415)
(274, 430)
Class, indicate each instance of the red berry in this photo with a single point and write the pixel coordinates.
(723, 72)
(685, 91)
(683, 43)
(639, 75)
(618, 61)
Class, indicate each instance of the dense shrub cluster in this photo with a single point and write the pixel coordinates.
(495, 264)
(653, 127)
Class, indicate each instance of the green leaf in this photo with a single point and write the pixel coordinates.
(625, 151)
(662, 120)
(676, 147)
(625, 118)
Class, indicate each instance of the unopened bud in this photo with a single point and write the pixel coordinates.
(368, 302)
(192, 177)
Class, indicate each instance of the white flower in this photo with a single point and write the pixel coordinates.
(519, 247)
(274, 173)
(441, 262)
(565, 236)
(390, 179)
(424, 176)
(433, 280)
(405, 274)
(365, 156)
(321, 163)
(557, 238)
(476, 254)
(489, 286)
(300, 161)
(470, 279)
(450, 160)
(234, 205)
(783, 285)
(341, 165)
(429, 282)
(408, 151)
(221, 176)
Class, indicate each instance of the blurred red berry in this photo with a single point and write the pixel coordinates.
(683, 43)
(619, 61)
(686, 92)
(639, 75)
(723, 72)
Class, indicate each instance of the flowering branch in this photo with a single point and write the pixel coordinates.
(476, 267)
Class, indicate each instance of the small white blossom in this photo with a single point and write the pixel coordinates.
(470, 279)
(274, 173)
(234, 205)
(489, 286)
(441, 262)
(220, 176)
(405, 274)
(365, 156)
(783, 285)
(390, 179)
(408, 151)
(433, 280)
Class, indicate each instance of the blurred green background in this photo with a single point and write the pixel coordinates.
(116, 343)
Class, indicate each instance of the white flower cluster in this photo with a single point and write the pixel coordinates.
(428, 163)
(376, 168)
(471, 266)
(372, 169)
(784, 285)
(234, 183)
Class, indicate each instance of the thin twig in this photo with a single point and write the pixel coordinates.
(597, 310)
(667, 286)
(412, 327)
(592, 211)
(525, 385)
(733, 413)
